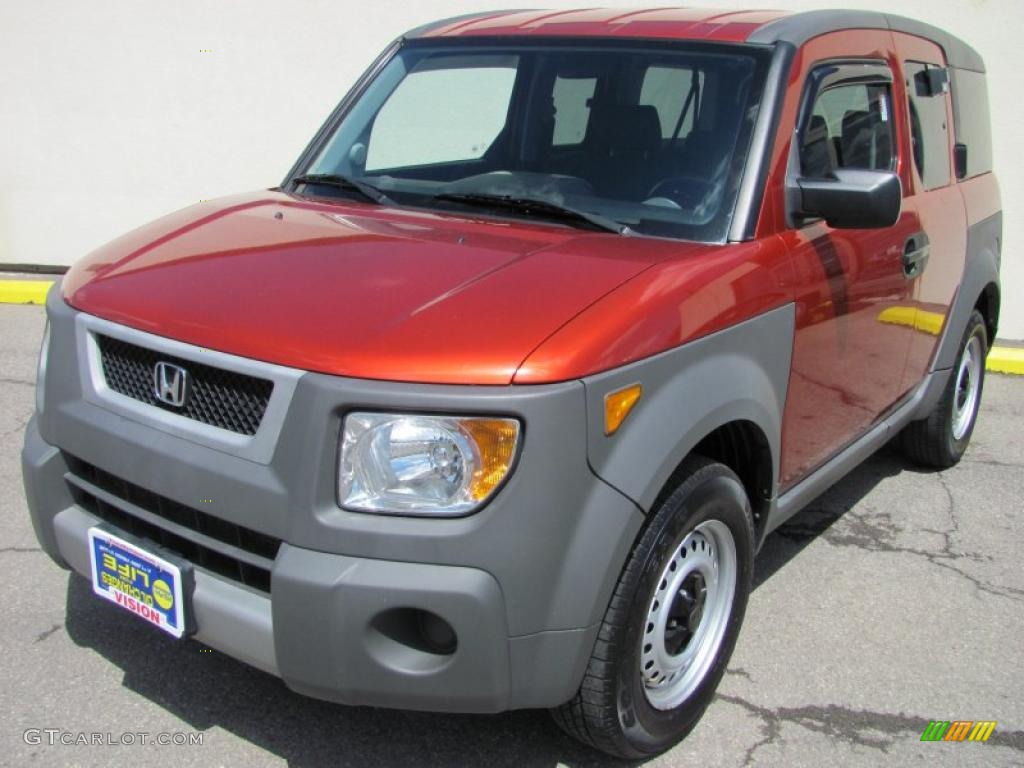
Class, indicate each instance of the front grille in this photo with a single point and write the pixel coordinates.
(219, 398)
(227, 549)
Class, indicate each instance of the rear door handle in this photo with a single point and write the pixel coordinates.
(915, 256)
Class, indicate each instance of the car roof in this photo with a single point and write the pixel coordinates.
(750, 26)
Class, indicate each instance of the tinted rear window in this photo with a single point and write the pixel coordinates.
(970, 102)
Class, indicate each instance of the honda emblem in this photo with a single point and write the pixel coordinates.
(170, 384)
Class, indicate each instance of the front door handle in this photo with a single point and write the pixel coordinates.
(915, 256)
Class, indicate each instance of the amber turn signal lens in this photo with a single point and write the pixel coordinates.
(617, 406)
(496, 441)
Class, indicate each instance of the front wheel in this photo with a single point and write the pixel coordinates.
(673, 619)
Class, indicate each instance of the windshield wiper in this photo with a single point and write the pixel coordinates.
(368, 191)
(537, 207)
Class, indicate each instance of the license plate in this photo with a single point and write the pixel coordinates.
(148, 585)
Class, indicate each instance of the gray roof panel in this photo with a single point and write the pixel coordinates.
(801, 27)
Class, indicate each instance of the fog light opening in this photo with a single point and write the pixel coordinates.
(418, 630)
(437, 633)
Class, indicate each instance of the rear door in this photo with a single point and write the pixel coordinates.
(934, 199)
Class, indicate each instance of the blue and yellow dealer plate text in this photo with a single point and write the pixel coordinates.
(138, 581)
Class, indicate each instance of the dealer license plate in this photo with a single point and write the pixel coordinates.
(139, 581)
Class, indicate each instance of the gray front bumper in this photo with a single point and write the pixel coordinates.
(315, 629)
(524, 582)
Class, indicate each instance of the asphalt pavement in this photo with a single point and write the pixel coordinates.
(895, 599)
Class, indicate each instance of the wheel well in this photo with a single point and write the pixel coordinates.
(988, 305)
(744, 448)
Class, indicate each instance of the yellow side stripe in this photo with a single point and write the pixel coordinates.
(24, 291)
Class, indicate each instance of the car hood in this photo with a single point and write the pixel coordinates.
(356, 290)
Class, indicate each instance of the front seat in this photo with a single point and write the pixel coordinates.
(817, 152)
(621, 147)
(866, 140)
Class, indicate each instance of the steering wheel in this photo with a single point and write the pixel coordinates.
(680, 192)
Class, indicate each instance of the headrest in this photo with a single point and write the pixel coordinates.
(855, 121)
(623, 127)
(817, 155)
(817, 129)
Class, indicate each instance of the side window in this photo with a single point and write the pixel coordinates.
(675, 93)
(929, 134)
(972, 126)
(850, 127)
(571, 97)
(442, 113)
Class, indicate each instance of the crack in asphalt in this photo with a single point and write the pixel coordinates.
(847, 725)
(771, 728)
(740, 672)
(942, 559)
(23, 421)
(873, 531)
(45, 634)
(993, 463)
(1012, 739)
(5, 550)
(22, 382)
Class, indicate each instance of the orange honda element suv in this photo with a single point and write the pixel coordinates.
(491, 403)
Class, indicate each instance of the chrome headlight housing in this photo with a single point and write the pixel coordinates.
(423, 465)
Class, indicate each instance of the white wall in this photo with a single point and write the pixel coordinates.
(114, 112)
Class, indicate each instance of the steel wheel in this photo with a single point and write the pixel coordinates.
(940, 438)
(968, 379)
(688, 615)
(673, 620)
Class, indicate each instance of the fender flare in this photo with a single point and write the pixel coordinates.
(738, 374)
(981, 269)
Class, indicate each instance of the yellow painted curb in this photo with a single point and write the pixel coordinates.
(1006, 360)
(1000, 359)
(922, 320)
(24, 291)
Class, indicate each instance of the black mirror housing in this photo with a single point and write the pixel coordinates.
(960, 160)
(938, 81)
(852, 199)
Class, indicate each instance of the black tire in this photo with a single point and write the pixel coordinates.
(933, 441)
(611, 710)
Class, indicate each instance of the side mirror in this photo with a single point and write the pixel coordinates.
(852, 199)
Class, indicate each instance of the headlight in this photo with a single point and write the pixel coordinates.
(44, 353)
(423, 465)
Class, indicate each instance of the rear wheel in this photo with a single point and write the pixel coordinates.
(941, 439)
(672, 622)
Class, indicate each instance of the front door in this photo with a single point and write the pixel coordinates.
(848, 360)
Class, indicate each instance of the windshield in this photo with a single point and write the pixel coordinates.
(645, 135)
